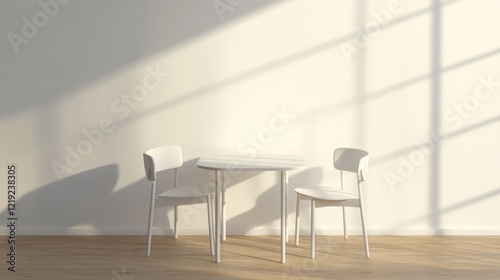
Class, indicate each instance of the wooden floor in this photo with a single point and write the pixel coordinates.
(253, 257)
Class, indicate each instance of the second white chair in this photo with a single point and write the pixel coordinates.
(166, 158)
(344, 159)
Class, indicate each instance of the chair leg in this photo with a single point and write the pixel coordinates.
(344, 221)
(210, 223)
(176, 219)
(365, 235)
(297, 221)
(313, 229)
(150, 229)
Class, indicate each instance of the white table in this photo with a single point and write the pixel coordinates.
(281, 163)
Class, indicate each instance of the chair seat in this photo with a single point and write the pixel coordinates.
(184, 192)
(325, 193)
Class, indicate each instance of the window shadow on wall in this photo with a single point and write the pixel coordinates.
(88, 40)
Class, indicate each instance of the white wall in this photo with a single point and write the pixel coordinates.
(229, 73)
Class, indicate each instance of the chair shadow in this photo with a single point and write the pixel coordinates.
(78, 199)
(87, 203)
(267, 205)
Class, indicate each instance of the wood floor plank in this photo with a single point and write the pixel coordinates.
(253, 257)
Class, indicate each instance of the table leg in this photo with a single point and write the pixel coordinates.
(286, 208)
(217, 218)
(223, 185)
(283, 215)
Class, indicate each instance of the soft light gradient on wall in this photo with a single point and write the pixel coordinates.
(263, 76)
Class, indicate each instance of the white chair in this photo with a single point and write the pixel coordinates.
(344, 159)
(166, 158)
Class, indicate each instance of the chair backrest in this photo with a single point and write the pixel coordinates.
(352, 160)
(161, 158)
